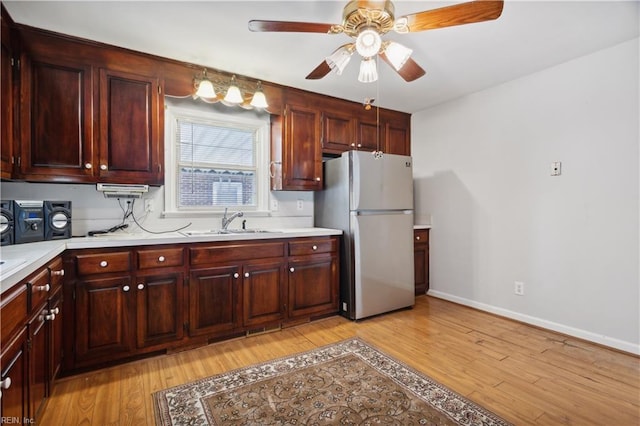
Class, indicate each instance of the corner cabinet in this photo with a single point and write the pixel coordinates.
(84, 119)
(296, 150)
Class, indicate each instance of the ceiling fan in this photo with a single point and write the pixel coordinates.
(368, 21)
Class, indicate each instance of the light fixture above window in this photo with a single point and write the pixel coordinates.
(211, 88)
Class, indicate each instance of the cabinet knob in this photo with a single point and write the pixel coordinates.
(103, 167)
(246, 275)
(236, 275)
(292, 269)
(140, 286)
(418, 238)
(318, 179)
(314, 247)
(55, 311)
(45, 287)
(6, 383)
(50, 317)
(59, 273)
(88, 166)
(104, 264)
(161, 259)
(353, 144)
(125, 288)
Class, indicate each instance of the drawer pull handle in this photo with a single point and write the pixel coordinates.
(125, 288)
(161, 259)
(6, 383)
(55, 311)
(50, 317)
(104, 264)
(314, 248)
(292, 269)
(87, 166)
(45, 287)
(236, 275)
(140, 286)
(59, 273)
(246, 275)
(103, 167)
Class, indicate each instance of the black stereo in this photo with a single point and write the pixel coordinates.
(28, 221)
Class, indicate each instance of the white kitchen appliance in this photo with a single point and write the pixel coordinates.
(370, 198)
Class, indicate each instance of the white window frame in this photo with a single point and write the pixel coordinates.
(204, 114)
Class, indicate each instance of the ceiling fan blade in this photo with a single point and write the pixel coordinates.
(410, 71)
(449, 16)
(286, 26)
(319, 72)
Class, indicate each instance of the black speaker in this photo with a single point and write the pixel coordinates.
(6, 222)
(57, 220)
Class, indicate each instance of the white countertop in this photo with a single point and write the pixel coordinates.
(421, 226)
(21, 260)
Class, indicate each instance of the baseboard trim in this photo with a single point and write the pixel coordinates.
(539, 322)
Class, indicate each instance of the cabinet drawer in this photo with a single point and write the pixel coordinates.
(102, 263)
(301, 248)
(420, 235)
(40, 288)
(235, 252)
(13, 311)
(56, 275)
(159, 258)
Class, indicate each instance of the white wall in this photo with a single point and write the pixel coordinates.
(91, 211)
(482, 170)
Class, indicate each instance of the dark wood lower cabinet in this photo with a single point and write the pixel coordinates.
(38, 361)
(421, 260)
(311, 290)
(14, 379)
(263, 289)
(159, 309)
(213, 300)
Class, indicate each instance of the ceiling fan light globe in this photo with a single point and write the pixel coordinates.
(368, 42)
(206, 90)
(368, 71)
(397, 54)
(339, 59)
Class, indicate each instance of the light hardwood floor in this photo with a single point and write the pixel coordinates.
(522, 373)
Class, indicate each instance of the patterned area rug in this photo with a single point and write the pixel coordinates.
(345, 383)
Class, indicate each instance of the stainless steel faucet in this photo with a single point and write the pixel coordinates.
(226, 222)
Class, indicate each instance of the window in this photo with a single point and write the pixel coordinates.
(217, 159)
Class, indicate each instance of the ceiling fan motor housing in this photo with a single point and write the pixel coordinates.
(358, 15)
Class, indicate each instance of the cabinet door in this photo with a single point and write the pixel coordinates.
(13, 378)
(56, 121)
(398, 137)
(313, 286)
(159, 309)
(214, 304)
(421, 260)
(302, 154)
(370, 136)
(55, 338)
(104, 318)
(338, 132)
(130, 140)
(38, 361)
(263, 287)
(8, 103)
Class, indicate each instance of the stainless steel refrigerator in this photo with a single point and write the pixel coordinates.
(370, 198)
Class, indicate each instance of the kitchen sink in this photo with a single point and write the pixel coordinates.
(200, 233)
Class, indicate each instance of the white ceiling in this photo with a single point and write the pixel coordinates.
(529, 36)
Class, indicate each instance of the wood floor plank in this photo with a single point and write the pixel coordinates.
(525, 374)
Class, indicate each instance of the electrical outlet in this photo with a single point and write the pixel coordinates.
(274, 205)
(518, 288)
(148, 205)
(300, 204)
(344, 306)
(556, 168)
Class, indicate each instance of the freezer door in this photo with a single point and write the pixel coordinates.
(384, 183)
(383, 262)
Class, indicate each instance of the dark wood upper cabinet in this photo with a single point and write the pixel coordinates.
(57, 132)
(7, 107)
(338, 128)
(398, 134)
(130, 146)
